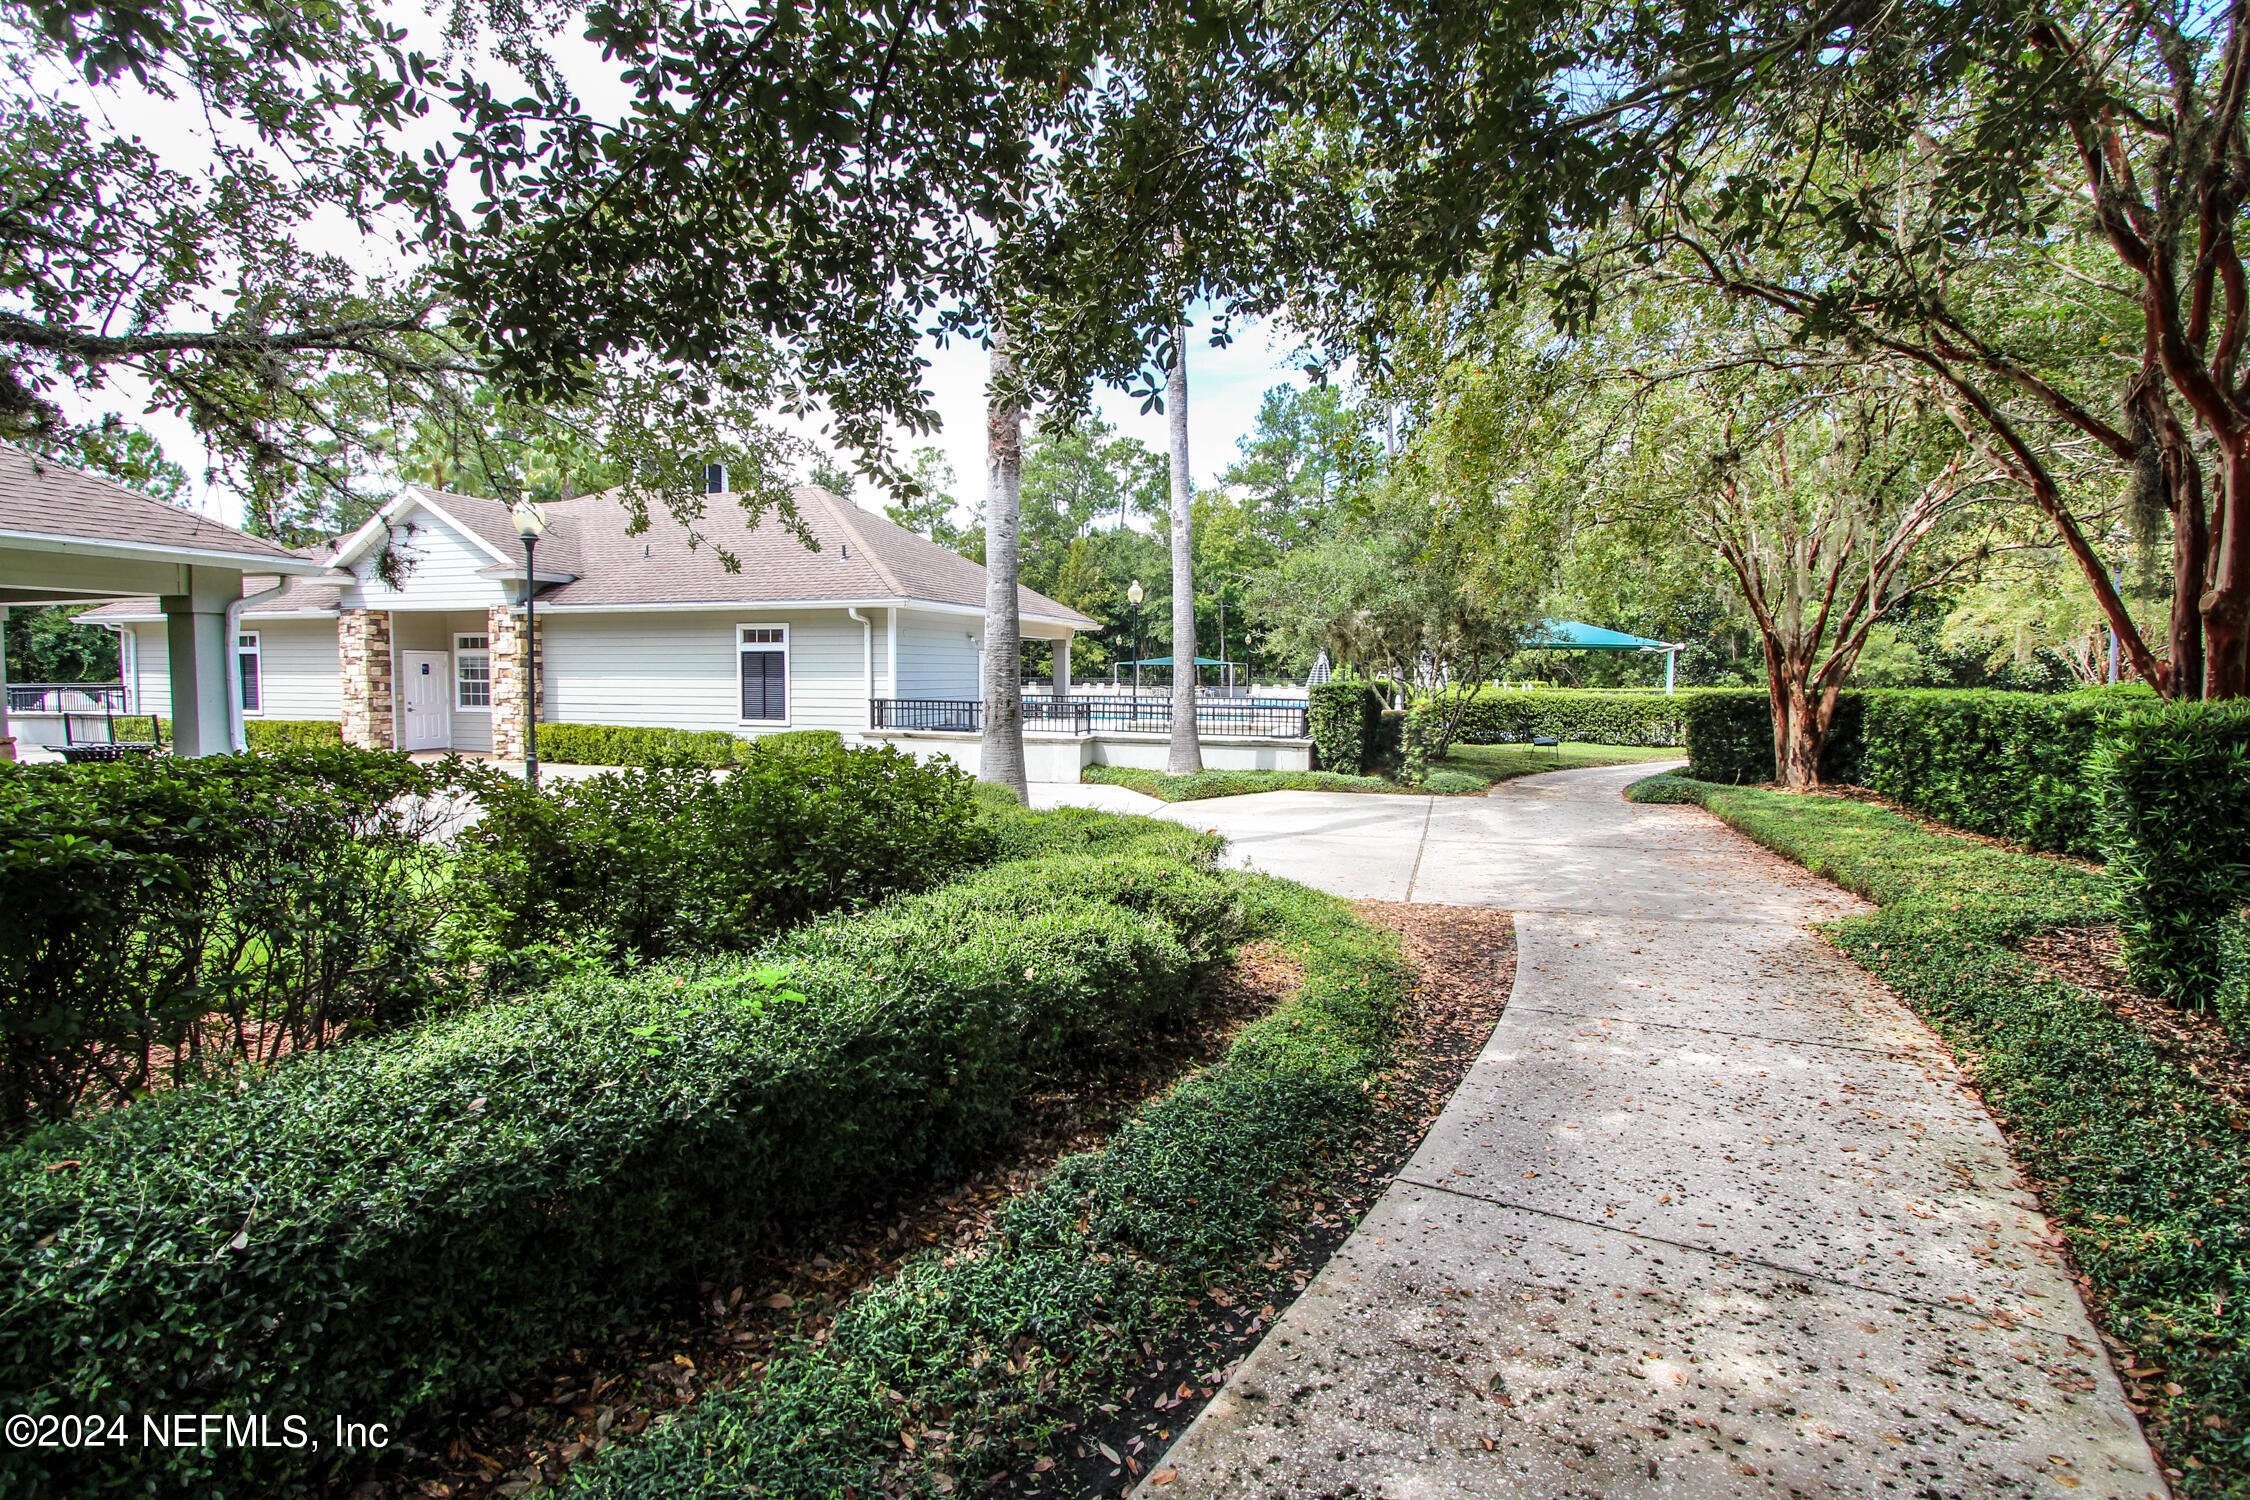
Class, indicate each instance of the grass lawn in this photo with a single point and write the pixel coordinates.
(1469, 770)
(2139, 1162)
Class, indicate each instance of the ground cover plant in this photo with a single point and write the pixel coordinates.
(973, 1356)
(1468, 770)
(399, 1224)
(2143, 1168)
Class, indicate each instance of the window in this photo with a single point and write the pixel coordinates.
(246, 666)
(472, 672)
(764, 655)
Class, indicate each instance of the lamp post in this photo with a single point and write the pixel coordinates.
(531, 524)
(1134, 596)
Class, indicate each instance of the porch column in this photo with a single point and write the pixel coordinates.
(1062, 667)
(195, 631)
(363, 642)
(504, 627)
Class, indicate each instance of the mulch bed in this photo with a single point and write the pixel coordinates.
(730, 1326)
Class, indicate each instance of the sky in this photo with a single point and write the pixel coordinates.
(1225, 386)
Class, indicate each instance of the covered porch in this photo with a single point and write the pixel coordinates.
(68, 537)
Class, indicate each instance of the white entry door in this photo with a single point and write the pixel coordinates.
(427, 701)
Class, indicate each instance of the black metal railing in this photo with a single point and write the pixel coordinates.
(1268, 718)
(65, 697)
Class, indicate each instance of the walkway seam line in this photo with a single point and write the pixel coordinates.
(1729, 1255)
(1429, 811)
(1740, 1036)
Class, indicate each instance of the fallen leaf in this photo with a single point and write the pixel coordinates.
(780, 1300)
(1042, 1466)
(1107, 1451)
(1164, 1476)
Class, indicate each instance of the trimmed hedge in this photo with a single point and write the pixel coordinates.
(1345, 721)
(293, 734)
(2175, 804)
(661, 861)
(1495, 717)
(2140, 1163)
(263, 735)
(2013, 765)
(413, 1221)
(1107, 1256)
(636, 745)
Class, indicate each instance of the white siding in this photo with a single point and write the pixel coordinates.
(937, 655)
(676, 669)
(151, 679)
(441, 573)
(297, 668)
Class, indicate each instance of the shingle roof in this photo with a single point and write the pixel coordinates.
(861, 556)
(43, 498)
(299, 596)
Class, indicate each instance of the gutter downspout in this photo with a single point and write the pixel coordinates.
(866, 661)
(238, 735)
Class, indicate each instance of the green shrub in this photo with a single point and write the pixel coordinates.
(1109, 1254)
(2013, 765)
(637, 745)
(1019, 832)
(2233, 1002)
(269, 735)
(663, 861)
(2139, 1162)
(1498, 717)
(810, 741)
(405, 1224)
(1345, 721)
(1448, 783)
(162, 915)
(2175, 822)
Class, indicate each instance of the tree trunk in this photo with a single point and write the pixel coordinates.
(2226, 604)
(1000, 754)
(1186, 754)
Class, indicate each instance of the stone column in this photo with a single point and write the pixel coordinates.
(1062, 667)
(504, 630)
(363, 642)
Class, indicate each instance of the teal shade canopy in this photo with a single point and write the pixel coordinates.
(1577, 635)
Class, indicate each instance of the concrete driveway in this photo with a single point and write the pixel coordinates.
(1712, 1215)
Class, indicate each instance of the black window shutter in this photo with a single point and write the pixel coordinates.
(765, 685)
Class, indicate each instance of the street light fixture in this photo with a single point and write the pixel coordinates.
(1134, 596)
(531, 525)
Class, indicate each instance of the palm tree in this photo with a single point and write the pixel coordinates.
(1000, 755)
(1186, 753)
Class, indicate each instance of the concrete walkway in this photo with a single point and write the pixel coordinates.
(1712, 1214)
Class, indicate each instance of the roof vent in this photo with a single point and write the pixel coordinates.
(714, 479)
